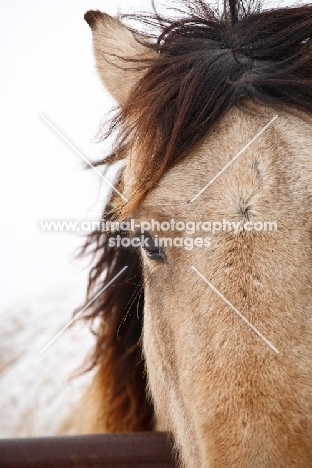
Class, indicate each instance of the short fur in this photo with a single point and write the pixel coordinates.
(189, 101)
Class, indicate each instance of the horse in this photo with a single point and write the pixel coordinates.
(210, 341)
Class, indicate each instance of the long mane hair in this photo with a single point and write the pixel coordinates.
(206, 63)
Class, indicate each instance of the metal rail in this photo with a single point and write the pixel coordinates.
(133, 450)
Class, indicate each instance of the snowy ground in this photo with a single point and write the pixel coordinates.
(36, 390)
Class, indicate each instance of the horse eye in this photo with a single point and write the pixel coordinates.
(158, 255)
(152, 251)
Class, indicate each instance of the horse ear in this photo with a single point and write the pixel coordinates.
(119, 55)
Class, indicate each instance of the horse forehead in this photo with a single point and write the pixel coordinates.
(236, 168)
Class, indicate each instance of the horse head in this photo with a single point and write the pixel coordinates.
(208, 334)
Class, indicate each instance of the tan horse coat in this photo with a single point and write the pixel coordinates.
(227, 397)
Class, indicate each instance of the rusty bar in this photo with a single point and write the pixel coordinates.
(140, 450)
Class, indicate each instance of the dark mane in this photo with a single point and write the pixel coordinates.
(205, 63)
(117, 317)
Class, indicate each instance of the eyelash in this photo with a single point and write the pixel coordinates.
(153, 252)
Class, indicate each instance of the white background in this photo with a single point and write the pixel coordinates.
(47, 67)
